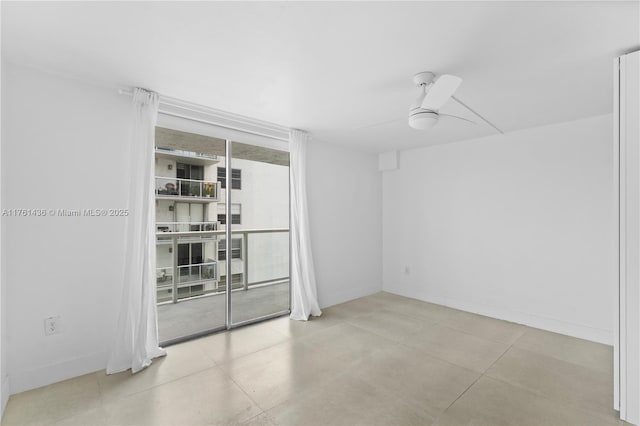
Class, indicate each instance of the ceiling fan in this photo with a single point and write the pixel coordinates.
(434, 93)
(425, 113)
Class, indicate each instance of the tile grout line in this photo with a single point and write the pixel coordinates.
(262, 410)
(424, 326)
(474, 382)
(546, 397)
(498, 359)
(361, 328)
(459, 396)
(556, 358)
(286, 339)
(289, 339)
(573, 404)
(482, 337)
(458, 312)
(157, 385)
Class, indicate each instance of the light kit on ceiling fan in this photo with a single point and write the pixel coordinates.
(423, 120)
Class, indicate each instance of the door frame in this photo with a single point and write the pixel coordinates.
(197, 119)
(626, 168)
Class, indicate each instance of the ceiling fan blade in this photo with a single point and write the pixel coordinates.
(440, 92)
(368, 126)
(459, 118)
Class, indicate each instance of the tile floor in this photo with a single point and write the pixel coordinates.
(378, 360)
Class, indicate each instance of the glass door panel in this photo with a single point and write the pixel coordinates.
(258, 253)
(190, 295)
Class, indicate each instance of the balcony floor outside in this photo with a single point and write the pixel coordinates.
(176, 320)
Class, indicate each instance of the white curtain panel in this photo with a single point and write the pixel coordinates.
(304, 293)
(137, 334)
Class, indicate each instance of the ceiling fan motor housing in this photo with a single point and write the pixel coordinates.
(422, 119)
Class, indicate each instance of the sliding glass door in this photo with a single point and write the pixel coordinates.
(258, 263)
(190, 295)
(222, 233)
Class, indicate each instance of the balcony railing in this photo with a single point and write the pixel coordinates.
(261, 250)
(171, 187)
(186, 226)
(193, 280)
(197, 272)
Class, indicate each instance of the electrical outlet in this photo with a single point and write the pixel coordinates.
(52, 325)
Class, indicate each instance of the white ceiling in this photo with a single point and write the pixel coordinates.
(333, 68)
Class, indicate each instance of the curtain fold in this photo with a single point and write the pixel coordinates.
(136, 341)
(304, 294)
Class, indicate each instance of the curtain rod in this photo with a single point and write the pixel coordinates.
(219, 118)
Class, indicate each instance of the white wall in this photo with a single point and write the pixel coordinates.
(62, 148)
(163, 214)
(4, 378)
(345, 218)
(162, 169)
(517, 226)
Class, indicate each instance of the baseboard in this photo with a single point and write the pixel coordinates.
(45, 375)
(536, 321)
(343, 298)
